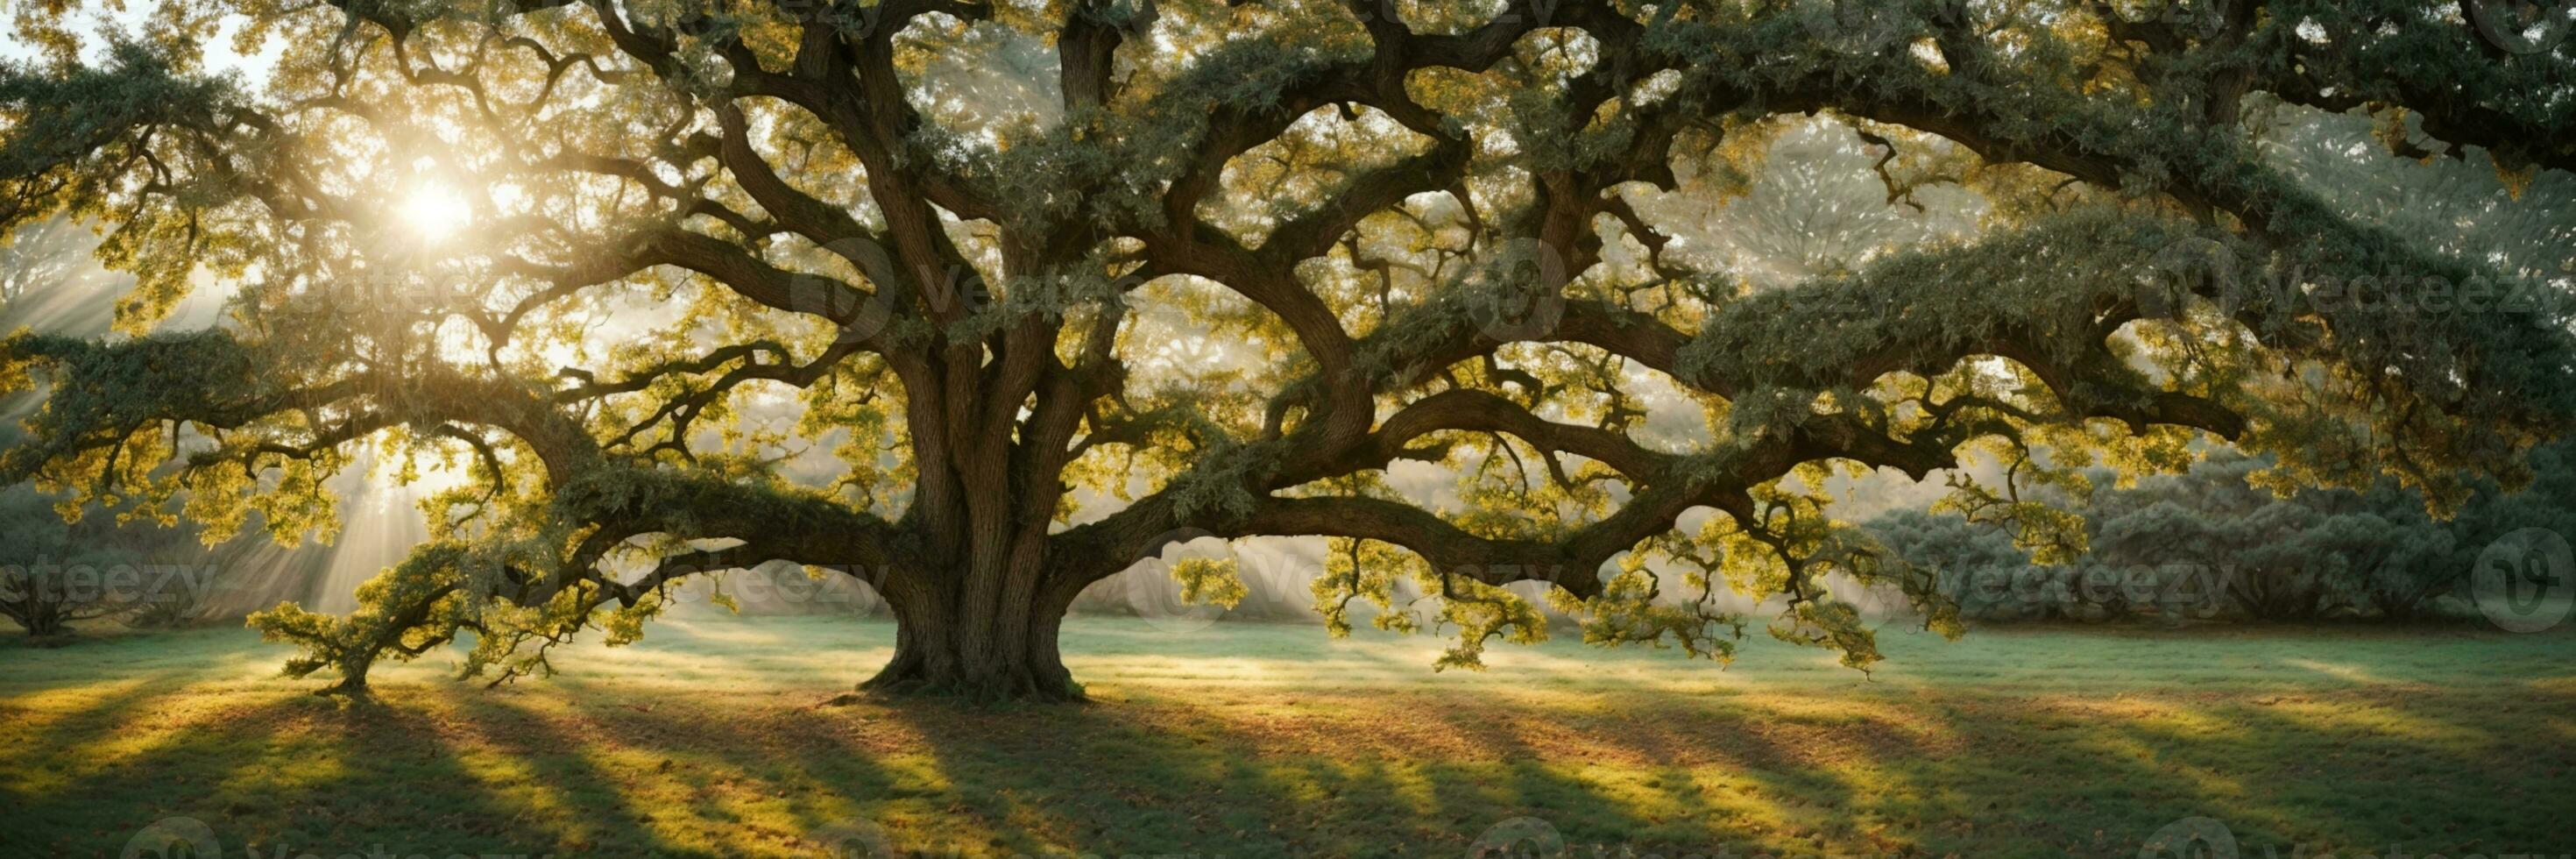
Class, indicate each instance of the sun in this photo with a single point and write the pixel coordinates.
(436, 211)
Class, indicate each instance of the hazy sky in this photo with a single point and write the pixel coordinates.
(95, 19)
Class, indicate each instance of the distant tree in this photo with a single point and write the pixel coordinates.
(34, 590)
(1066, 283)
(2219, 537)
(54, 574)
(2210, 517)
(2492, 513)
(1978, 567)
(2315, 553)
(2391, 557)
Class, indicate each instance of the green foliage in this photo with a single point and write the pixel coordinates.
(408, 609)
(974, 301)
(2214, 541)
(1209, 581)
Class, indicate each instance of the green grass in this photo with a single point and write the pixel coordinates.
(1249, 740)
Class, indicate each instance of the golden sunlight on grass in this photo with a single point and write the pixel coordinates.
(1260, 740)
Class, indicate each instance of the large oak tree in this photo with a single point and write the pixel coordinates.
(1063, 282)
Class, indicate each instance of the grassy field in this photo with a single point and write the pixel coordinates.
(1251, 740)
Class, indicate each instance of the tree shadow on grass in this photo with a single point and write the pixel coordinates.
(577, 767)
(271, 771)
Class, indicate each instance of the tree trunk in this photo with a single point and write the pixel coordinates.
(353, 680)
(45, 624)
(42, 618)
(1006, 653)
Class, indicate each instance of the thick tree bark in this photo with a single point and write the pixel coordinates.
(976, 599)
(948, 646)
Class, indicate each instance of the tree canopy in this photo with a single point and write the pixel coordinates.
(1059, 283)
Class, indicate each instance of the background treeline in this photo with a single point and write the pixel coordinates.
(2209, 544)
(57, 575)
(2206, 544)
